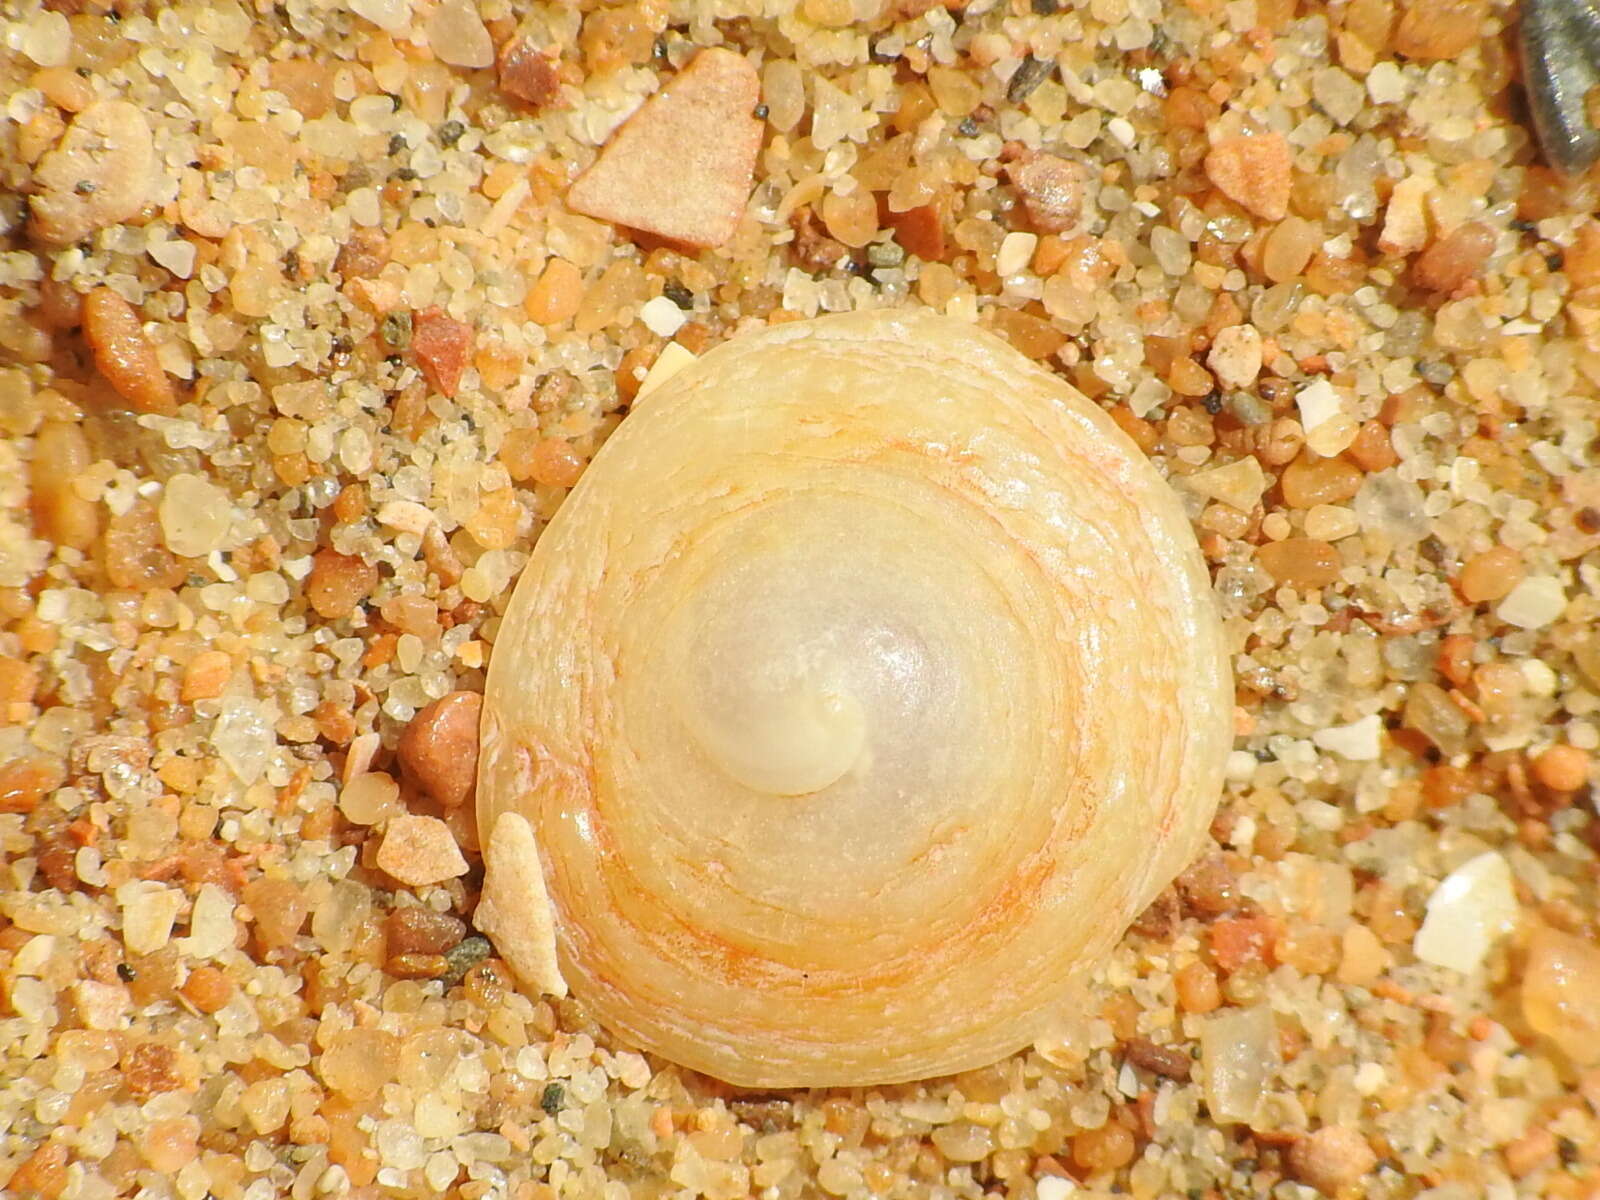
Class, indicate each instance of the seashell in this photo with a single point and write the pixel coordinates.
(1560, 47)
(861, 693)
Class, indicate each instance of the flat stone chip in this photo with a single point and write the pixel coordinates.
(681, 166)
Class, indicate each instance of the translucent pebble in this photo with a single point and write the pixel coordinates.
(1238, 1051)
(457, 35)
(46, 39)
(211, 925)
(833, 116)
(339, 920)
(1392, 506)
(440, 1172)
(360, 1061)
(177, 256)
(391, 15)
(243, 738)
(400, 1146)
(1561, 993)
(266, 1104)
(1338, 94)
(195, 515)
(783, 91)
(1172, 250)
(1359, 741)
(148, 911)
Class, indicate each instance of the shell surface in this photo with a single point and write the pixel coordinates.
(864, 689)
(1559, 43)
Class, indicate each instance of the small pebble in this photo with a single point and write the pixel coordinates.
(419, 851)
(390, 15)
(662, 317)
(457, 35)
(1562, 768)
(124, 355)
(102, 171)
(463, 956)
(1332, 1159)
(1051, 189)
(1561, 993)
(439, 749)
(1253, 172)
(1235, 356)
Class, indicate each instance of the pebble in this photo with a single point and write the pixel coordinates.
(963, 1141)
(439, 749)
(528, 74)
(390, 15)
(1534, 603)
(1238, 1050)
(662, 317)
(1333, 436)
(1439, 29)
(1562, 768)
(370, 798)
(148, 911)
(1318, 401)
(1471, 909)
(1016, 251)
(442, 347)
(1300, 563)
(415, 930)
(1359, 741)
(463, 956)
(338, 583)
(1310, 480)
(1561, 993)
(1289, 248)
(1239, 483)
(1330, 522)
(456, 33)
(279, 907)
(265, 1104)
(515, 907)
(1491, 574)
(1340, 95)
(124, 355)
(419, 851)
(45, 37)
(359, 1062)
(1332, 1159)
(177, 256)
(1235, 356)
(1405, 220)
(211, 923)
(1253, 172)
(195, 515)
(1455, 258)
(673, 358)
(1051, 189)
(102, 172)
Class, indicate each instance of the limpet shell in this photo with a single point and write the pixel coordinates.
(862, 692)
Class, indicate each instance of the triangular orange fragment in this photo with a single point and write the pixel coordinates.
(681, 166)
